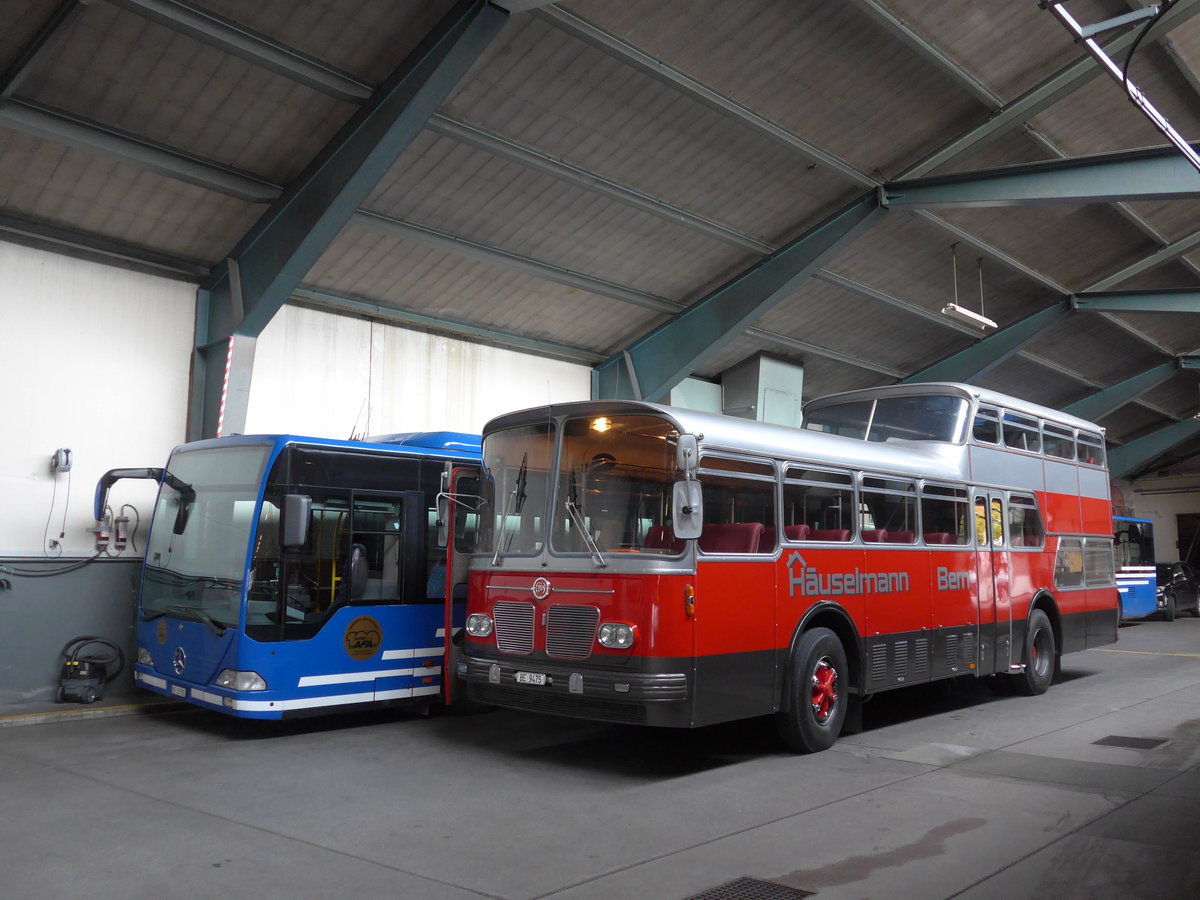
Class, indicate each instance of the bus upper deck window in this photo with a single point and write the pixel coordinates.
(1021, 433)
(1058, 442)
(1091, 449)
(986, 429)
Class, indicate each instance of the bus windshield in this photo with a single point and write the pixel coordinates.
(916, 418)
(196, 552)
(611, 491)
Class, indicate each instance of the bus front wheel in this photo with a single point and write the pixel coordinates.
(1040, 652)
(818, 693)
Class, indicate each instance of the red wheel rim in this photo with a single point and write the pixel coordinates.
(824, 690)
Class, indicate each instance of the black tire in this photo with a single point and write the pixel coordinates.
(88, 695)
(1196, 608)
(60, 694)
(1168, 610)
(1040, 656)
(817, 693)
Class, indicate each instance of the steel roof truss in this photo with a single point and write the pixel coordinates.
(670, 353)
(1127, 459)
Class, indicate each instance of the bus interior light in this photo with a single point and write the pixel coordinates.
(233, 680)
(479, 625)
(616, 636)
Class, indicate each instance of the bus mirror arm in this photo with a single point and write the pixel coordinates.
(111, 477)
(687, 455)
(297, 509)
(443, 519)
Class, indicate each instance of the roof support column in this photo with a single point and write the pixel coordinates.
(658, 361)
(268, 263)
(1098, 405)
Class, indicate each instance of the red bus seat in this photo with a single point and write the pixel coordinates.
(901, 537)
(876, 536)
(939, 537)
(661, 537)
(766, 543)
(830, 534)
(737, 537)
(796, 532)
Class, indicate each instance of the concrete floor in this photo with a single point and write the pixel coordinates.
(950, 791)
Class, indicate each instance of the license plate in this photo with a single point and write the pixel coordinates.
(537, 678)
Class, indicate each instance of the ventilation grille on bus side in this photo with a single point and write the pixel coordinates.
(571, 631)
(514, 627)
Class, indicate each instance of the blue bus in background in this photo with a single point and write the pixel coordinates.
(1133, 549)
(290, 576)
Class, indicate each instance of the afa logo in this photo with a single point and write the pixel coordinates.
(363, 638)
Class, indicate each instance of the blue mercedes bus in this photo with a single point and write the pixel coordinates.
(290, 576)
(1133, 551)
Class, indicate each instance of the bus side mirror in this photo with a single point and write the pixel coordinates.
(297, 509)
(443, 520)
(358, 571)
(687, 510)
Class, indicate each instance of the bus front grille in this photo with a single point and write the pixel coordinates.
(571, 631)
(514, 627)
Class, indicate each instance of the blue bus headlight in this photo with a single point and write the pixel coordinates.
(240, 681)
(479, 625)
(144, 658)
(616, 636)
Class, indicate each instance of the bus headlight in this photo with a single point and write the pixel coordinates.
(616, 636)
(144, 658)
(479, 625)
(233, 680)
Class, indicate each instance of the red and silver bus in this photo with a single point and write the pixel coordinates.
(645, 564)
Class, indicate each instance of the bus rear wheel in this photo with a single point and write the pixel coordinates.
(818, 693)
(1040, 652)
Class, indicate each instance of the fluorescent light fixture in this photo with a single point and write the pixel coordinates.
(954, 311)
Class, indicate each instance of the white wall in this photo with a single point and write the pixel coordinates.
(93, 358)
(1161, 506)
(327, 375)
(96, 358)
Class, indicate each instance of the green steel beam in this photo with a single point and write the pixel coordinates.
(267, 264)
(1100, 404)
(1160, 174)
(1178, 300)
(1129, 458)
(980, 358)
(658, 361)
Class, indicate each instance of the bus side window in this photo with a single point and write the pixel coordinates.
(987, 425)
(1025, 522)
(818, 505)
(944, 514)
(739, 505)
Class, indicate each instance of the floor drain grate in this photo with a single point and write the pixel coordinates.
(1133, 743)
(752, 889)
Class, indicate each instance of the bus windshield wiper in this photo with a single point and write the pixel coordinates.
(512, 505)
(193, 613)
(577, 517)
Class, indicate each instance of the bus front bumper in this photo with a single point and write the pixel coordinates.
(658, 698)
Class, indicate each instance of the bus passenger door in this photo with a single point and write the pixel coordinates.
(993, 589)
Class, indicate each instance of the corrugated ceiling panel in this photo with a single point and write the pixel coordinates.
(1087, 121)
(1076, 246)
(817, 49)
(1174, 219)
(912, 259)
(58, 184)
(22, 20)
(1132, 421)
(542, 88)
(1024, 378)
(455, 188)
(1088, 343)
(391, 272)
(122, 70)
(1178, 333)
(365, 38)
(1009, 47)
(848, 322)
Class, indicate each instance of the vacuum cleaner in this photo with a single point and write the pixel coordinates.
(84, 674)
